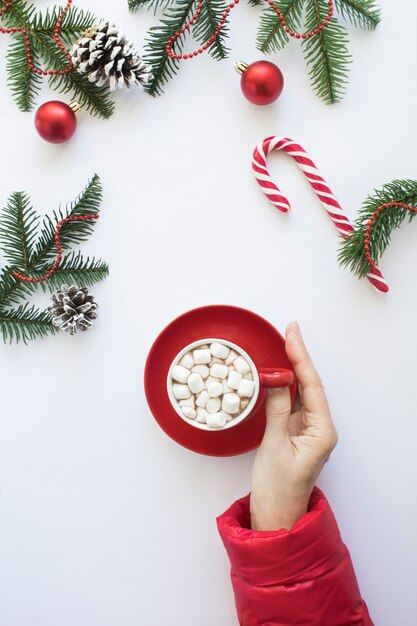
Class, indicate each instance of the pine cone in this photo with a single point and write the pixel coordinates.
(107, 58)
(73, 309)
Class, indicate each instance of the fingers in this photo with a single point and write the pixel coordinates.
(313, 395)
(278, 411)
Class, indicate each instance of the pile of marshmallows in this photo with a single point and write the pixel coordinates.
(212, 384)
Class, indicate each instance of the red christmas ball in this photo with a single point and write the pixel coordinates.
(55, 121)
(262, 82)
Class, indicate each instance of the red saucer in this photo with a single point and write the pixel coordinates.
(254, 334)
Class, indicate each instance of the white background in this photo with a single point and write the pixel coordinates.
(104, 521)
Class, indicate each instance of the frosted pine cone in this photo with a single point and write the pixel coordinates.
(73, 309)
(106, 57)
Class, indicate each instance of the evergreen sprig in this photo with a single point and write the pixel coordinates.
(24, 84)
(271, 36)
(29, 247)
(362, 13)
(163, 67)
(326, 53)
(352, 251)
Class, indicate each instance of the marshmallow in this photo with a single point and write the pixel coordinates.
(241, 365)
(203, 370)
(244, 403)
(219, 371)
(226, 388)
(246, 388)
(234, 379)
(228, 417)
(213, 405)
(181, 392)
(180, 373)
(219, 350)
(201, 416)
(187, 360)
(189, 412)
(216, 360)
(215, 389)
(231, 403)
(210, 380)
(202, 356)
(216, 420)
(190, 402)
(249, 376)
(202, 399)
(232, 356)
(195, 383)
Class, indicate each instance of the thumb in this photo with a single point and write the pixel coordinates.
(278, 411)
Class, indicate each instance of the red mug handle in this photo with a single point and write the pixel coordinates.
(271, 377)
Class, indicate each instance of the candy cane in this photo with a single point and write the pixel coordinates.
(323, 192)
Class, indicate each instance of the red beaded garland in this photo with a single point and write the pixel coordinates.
(59, 43)
(222, 21)
(72, 218)
(367, 236)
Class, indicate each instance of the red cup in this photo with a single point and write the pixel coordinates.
(263, 377)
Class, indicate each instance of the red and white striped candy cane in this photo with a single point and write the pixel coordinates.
(324, 193)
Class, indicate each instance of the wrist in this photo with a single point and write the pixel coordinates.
(267, 515)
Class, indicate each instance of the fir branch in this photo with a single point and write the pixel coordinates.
(352, 252)
(40, 28)
(207, 24)
(326, 54)
(75, 269)
(135, 5)
(24, 84)
(362, 13)
(12, 290)
(87, 203)
(17, 234)
(18, 225)
(75, 22)
(25, 323)
(271, 35)
(163, 66)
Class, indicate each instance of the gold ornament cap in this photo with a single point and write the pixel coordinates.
(75, 106)
(240, 67)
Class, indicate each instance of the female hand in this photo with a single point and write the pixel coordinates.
(295, 445)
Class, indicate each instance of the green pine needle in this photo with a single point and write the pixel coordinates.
(87, 203)
(362, 13)
(74, 269)
(30, 247)
(18, 225)
(271, 36)
(40, 27)
(206, 26)
(24, 324)
(326, 54)
(163, 67)
(135, 5)
(352, 252)
(12, 290)
(24, 84)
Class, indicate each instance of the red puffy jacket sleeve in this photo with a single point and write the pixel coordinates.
(300, 577)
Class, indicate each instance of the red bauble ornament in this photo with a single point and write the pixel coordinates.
(262, 82)
(55, 121)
